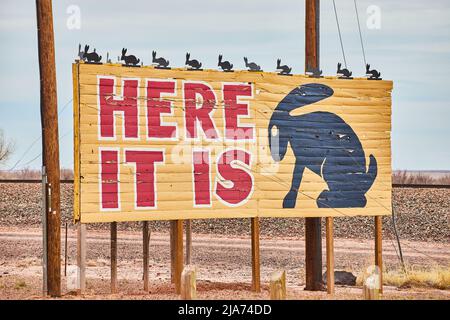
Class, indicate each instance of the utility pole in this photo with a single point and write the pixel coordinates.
(313, 235)
(50, 146)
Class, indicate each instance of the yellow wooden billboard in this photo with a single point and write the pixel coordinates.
(154, 144)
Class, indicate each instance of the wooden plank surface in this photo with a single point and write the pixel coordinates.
(364, 105)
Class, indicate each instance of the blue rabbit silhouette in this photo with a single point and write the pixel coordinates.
(324, 143)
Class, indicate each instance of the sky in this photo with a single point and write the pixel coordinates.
(409, 44)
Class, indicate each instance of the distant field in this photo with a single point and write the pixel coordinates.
(437, 177)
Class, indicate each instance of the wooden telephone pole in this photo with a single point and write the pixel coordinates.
(313, 235)
(50, 146)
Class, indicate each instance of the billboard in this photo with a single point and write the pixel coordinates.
(153, 144)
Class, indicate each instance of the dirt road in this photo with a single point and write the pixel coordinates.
(224, 265)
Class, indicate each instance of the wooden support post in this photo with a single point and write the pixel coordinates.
(65, 252)
(256, 278)
(178, 252)
(188, 241)
(113, 257)
(172, 250)
(146, 245)
(189, 283)
(313, 236)
(371, 293)
(330, 255)
(379, 248)
(81, 257)
(50, 143)
(278, 285)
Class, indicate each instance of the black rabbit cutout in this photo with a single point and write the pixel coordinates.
(252, 66)
(193, 64)
(344, 73)
(283, 70)
(225, 65)
(130, 60)
(161, 63)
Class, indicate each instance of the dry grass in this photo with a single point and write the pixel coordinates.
(437, 277)
(406, 177)
(30, 174)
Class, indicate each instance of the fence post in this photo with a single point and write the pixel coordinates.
(379, 248)
(188, 283)
(256, 278)
(81, 257)
(278, 285)
(146, 244)
(113, 257)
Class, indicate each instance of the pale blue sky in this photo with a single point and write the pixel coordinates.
(412, 48)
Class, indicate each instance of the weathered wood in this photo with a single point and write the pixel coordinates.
(172, 250)
(113, 257)
(65, 250)
(312, 35)
(364, 105)
(372, 287)
(379, 248)
(256, 268)
(313, 229)
(330, 255)
(81, 257)
(313, 254)
(278, 285)
(188, 241)
(50, 143)
(189, 283)
(146, 245)
(76, 143)
(178, 252)
(371, 293)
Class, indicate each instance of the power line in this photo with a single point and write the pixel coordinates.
(360, 34)
(340, 35)
(40, 153)
(36, 140)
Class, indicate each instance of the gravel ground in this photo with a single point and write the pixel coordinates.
(422, 215)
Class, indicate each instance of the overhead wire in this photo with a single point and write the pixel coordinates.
(34, 142)
(340, 34)
(360, 34)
